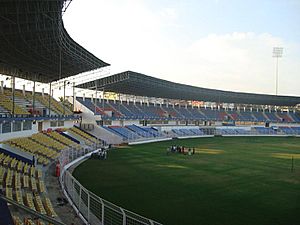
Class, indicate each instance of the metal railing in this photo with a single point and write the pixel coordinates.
(29, 211)
(92, 208)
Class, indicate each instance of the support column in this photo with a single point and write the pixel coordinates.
(74, 97)
(95, 110)
(49, 99)
(24, 91)
(103, 99)
(64, 99)
(33, 98)
(13, 84)
(2, 87)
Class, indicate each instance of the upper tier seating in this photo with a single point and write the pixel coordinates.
(272, 117)
(24, 104)
(56, 106)
(4, 111)
(259, 116)
(295, 117)
(7, 104)
(128, 110)
(284, 117)
(246, 116)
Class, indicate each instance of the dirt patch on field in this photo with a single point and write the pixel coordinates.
(172, 166)
(286, 155)
(122, 147)
(209, 151)
(285, 145)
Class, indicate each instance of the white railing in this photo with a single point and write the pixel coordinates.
(93, 209)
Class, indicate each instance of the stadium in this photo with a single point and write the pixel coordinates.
(79, 145)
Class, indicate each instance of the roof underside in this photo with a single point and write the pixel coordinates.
(141, 85)
(34, 44)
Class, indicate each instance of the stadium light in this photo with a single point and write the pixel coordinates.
(277, 53)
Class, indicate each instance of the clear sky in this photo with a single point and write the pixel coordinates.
(222, 44)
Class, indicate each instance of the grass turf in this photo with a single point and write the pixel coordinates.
(245, 183)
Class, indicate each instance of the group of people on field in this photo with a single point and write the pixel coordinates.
(181, 150)
(100, 154)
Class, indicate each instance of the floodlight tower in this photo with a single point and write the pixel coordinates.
(277, 53)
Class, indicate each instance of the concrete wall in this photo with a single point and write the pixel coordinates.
(125, 123)
(108, 137)
(28, 133)
(19, 134)
(67, 124)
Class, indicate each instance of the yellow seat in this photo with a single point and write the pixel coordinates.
(49, 208)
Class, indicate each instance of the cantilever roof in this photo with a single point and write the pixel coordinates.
(33, 42)
(142, 85)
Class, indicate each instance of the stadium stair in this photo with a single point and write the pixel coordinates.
(5, 216)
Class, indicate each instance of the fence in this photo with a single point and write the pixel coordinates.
(92, 208)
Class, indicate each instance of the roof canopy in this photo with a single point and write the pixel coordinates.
(34, 44)
(139, 84)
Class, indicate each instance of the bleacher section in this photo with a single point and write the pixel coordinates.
(25, 105)
(115, 110)
(23, 182)
(7, 106)
(132, 133)
(265, 130)
(62, 139)
(124, 132)
(82, 135)
(46, 146)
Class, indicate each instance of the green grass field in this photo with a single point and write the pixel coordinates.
(229, 181)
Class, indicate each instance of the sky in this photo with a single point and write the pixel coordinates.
(221, 44)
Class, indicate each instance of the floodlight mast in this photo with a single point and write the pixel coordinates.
(277, 53)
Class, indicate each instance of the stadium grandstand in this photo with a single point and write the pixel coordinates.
(52, 119)
(137, 107)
